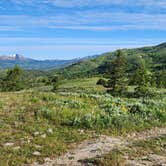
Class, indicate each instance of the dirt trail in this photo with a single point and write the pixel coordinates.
(103, 145)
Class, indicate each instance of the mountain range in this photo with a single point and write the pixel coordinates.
(32, 64)
(27, 63)
(154, 56)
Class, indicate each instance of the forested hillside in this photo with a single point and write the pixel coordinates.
(155, 58)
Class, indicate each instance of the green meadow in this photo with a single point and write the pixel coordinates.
(37, 123)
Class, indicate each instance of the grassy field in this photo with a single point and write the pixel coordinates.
(37, 123)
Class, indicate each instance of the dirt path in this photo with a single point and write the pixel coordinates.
(103, 145)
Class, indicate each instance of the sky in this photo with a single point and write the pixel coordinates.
(67, 29)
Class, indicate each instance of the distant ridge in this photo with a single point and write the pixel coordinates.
(27, 63)
(33, 64)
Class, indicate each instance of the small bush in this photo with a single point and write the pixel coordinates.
(101, 82)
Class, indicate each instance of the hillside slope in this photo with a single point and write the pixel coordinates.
(155, 57)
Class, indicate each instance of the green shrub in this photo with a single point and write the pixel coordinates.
(13, 80)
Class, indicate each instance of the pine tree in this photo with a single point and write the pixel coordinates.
(117, 76)
(161, 79)
(55, 83)
(142, 81)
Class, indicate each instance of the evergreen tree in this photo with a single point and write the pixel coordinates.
(142, 80)
(117, 76)
(55, 83)
(161, 79)
(13, 80)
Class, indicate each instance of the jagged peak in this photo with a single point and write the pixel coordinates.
(15, 57)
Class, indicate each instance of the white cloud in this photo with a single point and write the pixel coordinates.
(20, 2)
(90, 3)
(92, 20)
(87, 20)
(9, 28)
(74, 41)
(94, 3)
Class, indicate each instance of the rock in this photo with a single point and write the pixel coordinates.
(43, 135)
(28, 141)
(38, 146)
(145, 158)
(50, 130)
(82, 131)
(9, 144)
(36, 133)
(36, 153)
(47, 159)
(17, 148)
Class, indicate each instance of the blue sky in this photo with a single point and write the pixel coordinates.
(65, 29)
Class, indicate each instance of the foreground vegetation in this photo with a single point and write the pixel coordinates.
(38, 123)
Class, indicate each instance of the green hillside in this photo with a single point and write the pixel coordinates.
(154, 56)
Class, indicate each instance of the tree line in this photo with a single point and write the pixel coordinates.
(117, 79)
(14, 80)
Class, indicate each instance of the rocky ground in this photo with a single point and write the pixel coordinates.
(82, 153)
